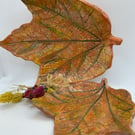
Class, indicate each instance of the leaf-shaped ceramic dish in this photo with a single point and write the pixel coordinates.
(71, 37)
(88, 108)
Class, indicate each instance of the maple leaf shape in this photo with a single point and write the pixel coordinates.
(71, 37)
(89, 108)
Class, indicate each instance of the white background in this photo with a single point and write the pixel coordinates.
(23, 118)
